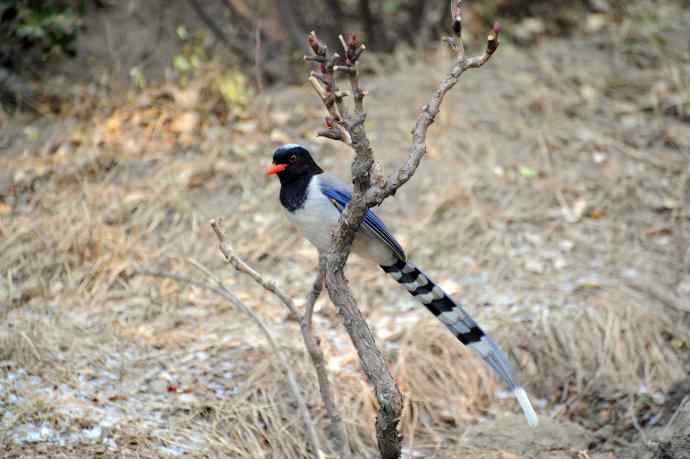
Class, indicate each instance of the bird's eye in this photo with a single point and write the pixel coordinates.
(293, 158)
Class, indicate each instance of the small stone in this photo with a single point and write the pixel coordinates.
(534, 238)
(534, 266)
(93, 433)
(565, 245)
(188, 398)
(598, 157)
(158, 386)
(596, 22)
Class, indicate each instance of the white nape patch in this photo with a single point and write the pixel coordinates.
(420, 282)
(396, 275)
(409, 267)
(482, 346)
(526, 406)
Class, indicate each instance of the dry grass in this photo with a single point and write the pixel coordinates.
(568, 198)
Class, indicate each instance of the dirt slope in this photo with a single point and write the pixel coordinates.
(554, 200)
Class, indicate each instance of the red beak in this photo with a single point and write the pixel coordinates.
(275, 168)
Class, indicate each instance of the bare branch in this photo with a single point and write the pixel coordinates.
(371, 188)
(326, 97)
(336, 428)
(217, 31)
(351, 130)
(426, 118)
(293, 386)
(258, 59)
(243, 267)
(373, 363)
(325, 83)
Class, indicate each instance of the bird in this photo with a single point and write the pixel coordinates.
(314, 201)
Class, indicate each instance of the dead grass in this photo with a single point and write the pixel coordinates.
(567, 191)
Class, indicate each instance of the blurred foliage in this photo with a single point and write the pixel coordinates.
(192, 54)
(235, 89)
(33, 30)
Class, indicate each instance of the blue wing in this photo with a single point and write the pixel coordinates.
(340, 195)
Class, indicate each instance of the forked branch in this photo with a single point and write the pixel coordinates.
(370, 188)
(336, 428)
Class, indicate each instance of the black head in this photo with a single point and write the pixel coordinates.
(293, 162)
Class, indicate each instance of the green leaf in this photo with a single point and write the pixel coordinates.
(234, 88)
(528, 172)
(182, 64)
(182, 32)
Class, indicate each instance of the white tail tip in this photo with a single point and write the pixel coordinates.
(526, 406)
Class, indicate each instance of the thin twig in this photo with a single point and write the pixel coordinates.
(673, 418)
(371, 359)
(427, 117)
(371, 188)
(215, 29)
(656, 291)
(336, 429)
(31, 346)
(680, 216)
(223, 292)
(243, 267)
(258, 59)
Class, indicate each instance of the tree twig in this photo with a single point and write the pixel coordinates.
(427, 117)
(336, 428)
(370, 188)
(215, 29)
(223, 292)
(258, 59)
(371, 359)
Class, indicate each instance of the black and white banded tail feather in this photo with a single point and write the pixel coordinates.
(463, 327)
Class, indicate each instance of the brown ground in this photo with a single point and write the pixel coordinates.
(555, 200)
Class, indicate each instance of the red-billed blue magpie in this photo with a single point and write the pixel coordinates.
(314, 201)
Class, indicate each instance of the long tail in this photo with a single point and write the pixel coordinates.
(459, 322)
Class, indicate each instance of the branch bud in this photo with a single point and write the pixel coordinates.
(492, 39)
(457, 26)
(315, 44)
(358, 52)
(456, 16)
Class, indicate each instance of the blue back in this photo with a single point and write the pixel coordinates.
(340, 195)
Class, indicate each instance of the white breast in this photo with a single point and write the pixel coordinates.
(317, 217)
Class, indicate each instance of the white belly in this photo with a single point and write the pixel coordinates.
(317, 219)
